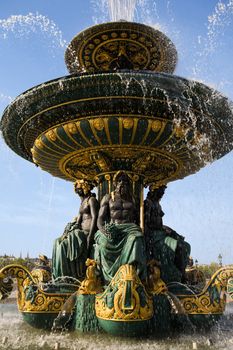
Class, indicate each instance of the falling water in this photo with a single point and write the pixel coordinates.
(121, 10)
(16, 334)
(218, 22)
(5, 98)
(128, 10)
(22, 25)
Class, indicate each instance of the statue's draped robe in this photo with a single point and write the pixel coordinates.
(124, 245)
(70, 253)
(164, 244)
(172, 253)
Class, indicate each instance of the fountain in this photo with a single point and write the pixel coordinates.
(119, 122)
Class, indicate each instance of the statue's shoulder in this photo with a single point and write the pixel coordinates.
(105, 200)
(93, 199)
(148, 203)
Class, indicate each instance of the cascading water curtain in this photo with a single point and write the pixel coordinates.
(121, 9)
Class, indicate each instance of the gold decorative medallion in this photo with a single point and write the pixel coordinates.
(125, 299)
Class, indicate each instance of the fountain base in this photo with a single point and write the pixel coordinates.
(125, 307)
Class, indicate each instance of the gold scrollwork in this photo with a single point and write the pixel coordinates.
(125, 294)
(212, 299)
(101, 161)
(41, 275)
(30, 297)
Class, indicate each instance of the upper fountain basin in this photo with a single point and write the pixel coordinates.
(158, 126)
(120, 45)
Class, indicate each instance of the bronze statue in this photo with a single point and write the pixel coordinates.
(153, 210)
(163, 243)
(119, 206)
(71, 250)
(119, 240)
(88, 211)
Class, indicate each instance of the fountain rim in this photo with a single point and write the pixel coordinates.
(116, 73)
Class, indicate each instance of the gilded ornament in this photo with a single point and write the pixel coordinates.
(41, 275)
(72, 129)
(51, 135)
(212, 299)
(30, 297)
(122, 299)
(155, 284)
(86, 185)
(180, 131)
(153, 166)
(107, 38)
(197, 137)
(142, 39)
(127, 123)
(98, 124)
(156, 125)
(101, 160)
(107, 177)
(38, 143)
(135, 178)
(91, 284)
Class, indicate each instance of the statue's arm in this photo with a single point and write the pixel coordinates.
(79, 220)
(147, 212)
(94, 209)
(104, 215)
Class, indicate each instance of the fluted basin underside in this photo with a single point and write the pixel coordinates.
(157, 126)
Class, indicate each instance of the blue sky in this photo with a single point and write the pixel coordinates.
(35, 207)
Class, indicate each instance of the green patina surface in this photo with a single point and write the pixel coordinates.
(70, 253)
(126, 329)
(164, 251)
(108, 94)
(39, 320)
(85, 319)
(125, 246)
